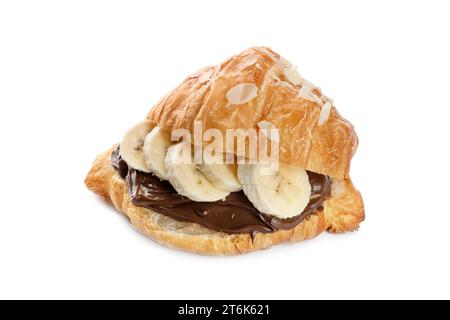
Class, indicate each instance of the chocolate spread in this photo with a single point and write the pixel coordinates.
(235, 214)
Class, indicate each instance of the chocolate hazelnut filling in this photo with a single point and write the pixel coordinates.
(235, 214)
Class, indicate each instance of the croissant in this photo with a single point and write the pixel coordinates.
(252, 89)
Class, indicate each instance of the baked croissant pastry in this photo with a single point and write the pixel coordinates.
(238, 157)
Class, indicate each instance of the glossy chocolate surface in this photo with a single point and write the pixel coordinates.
(235, 214)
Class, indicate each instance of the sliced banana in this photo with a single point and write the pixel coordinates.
(155, 149)
(131, 147)
(222, 175)
(187, 179)
(284, 193)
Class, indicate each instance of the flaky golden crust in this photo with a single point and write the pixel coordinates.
(326, 148)
(342, 212)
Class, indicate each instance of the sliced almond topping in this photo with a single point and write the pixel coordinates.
(249, 61)
(293, 76)
(324, 113)
(307, 94)
(242, 93)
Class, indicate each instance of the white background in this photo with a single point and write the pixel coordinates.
(74, 75)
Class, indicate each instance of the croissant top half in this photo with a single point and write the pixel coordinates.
(257, 86)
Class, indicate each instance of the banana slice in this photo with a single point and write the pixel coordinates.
(131, 147)
(155, 149)
(187, 179)
(223, 176)
(284, 193)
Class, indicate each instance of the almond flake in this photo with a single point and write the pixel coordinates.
(249, 61)
(242, 93)
(324, 113)
(293, 76)
(307, 94)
